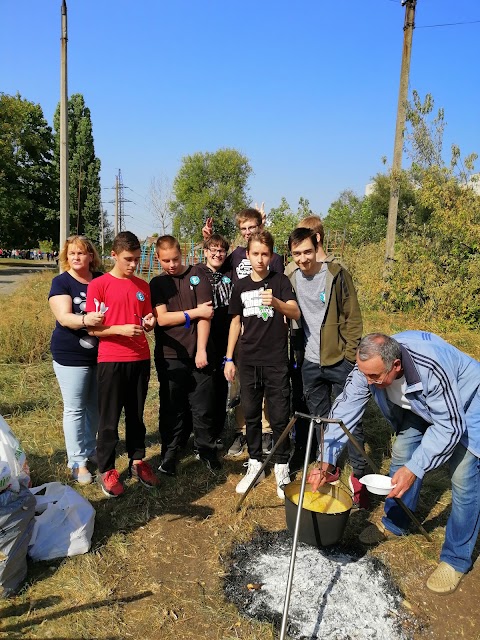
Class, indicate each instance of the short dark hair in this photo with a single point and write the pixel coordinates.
(300, 234)
(125, 241)
(265, 237)
(167, 242)
(216, 239)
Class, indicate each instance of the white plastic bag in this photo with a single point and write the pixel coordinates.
(12, 452)
(64, 522)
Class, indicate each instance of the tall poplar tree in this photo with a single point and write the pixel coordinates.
(84, 168)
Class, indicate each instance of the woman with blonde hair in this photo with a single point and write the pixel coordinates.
(75, 352)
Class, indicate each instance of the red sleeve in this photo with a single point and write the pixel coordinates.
(92, 293)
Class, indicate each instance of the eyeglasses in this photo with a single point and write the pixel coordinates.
(220, 252)
(375, 379)
(248, 229)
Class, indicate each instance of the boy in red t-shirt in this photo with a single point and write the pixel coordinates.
(123, 363)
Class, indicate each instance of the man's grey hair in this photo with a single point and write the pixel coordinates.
(379, 344)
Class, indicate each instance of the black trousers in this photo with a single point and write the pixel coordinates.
(121, 385)
(221, 393)
(271, 381)
(187, 398)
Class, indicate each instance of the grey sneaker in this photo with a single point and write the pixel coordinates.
(267, 443)
(238, 445)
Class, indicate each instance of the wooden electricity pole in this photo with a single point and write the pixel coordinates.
(64, 186)
(398, 144)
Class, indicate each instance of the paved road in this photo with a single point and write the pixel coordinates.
(11, 275)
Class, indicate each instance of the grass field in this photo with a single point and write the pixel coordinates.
(157, 560)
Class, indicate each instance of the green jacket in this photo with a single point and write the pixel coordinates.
(342, 326)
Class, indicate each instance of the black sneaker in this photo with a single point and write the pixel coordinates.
(168, 467)
(267, 443)
(238, 445)
(219, 444)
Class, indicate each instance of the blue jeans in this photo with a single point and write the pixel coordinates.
(464, 521)
(78, 386)
(319, 384)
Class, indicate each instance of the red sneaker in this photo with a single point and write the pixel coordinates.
(110, 483)
(360, 493)
(144, 473)
(333, 477)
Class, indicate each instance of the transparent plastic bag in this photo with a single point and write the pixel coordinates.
(11, 452)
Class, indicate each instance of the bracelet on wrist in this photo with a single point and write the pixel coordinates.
(83, 321)
(187, 320)
(225, 360)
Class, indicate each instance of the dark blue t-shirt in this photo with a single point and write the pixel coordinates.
(70, 347)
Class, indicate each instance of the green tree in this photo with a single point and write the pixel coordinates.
(209, 185)
(411, 212)
(282, 220)
(445, 191)
(84, 168)
(26, 186)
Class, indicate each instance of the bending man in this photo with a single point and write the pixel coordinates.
(429, 392)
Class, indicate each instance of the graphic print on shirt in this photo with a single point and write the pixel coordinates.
(252, 305)
(86, 341)
(244, 269)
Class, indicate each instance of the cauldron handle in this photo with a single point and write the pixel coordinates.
(313, 421)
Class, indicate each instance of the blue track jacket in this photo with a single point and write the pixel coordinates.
(443, 388)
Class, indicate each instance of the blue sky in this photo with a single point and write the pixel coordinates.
(307, 90)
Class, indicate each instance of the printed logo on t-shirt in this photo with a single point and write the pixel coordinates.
(322, 297)
(81, 300)
(244, 269)
(253, 306)
(140, 296)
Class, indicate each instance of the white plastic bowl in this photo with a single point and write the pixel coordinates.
(378, 484)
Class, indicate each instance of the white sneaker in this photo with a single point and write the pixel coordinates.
(282, 476)
(252, 470)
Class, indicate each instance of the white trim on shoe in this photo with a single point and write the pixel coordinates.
(253, 467)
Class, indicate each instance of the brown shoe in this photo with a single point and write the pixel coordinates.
(445, 579)
(374, 534)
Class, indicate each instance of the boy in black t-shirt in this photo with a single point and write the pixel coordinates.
(260, 304)
(182, 303)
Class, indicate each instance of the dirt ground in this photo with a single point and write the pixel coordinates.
(186, 555)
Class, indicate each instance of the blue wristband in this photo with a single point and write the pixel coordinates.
(227, 360)
(187, 320)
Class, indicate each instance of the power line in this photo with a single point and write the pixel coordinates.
(445, 24)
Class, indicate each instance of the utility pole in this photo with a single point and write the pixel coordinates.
(102, 232)
(115, 225)
(408, 28)
(64, 187)
(119, 202)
